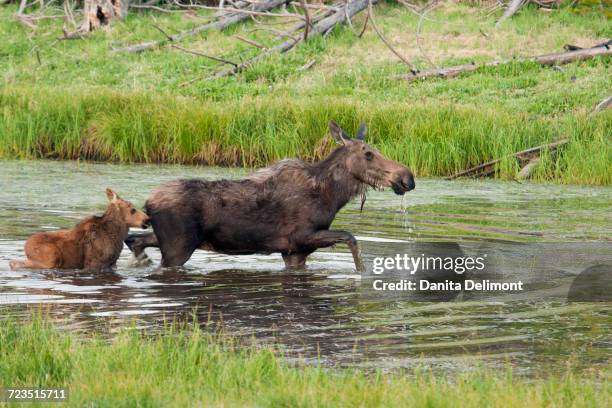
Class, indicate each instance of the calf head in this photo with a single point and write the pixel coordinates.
(128, 214)
(368, 165)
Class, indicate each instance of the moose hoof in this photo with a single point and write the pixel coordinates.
(140, 260)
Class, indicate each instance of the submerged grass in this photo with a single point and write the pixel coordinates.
(433, 139)
(185, 366)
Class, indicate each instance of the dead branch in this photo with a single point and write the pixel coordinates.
(547, 59)
(365, 26)
(277, 33)
(606, 103)
(255, 13)
(333, 7)
(528, 169)
(418, 35)
(158, 28)
(31, 20)
(21, 17)
(68, 7)
(250, 42)
(513, 7)
(524, 156)
(225, 20)
(384, 40)
(156, 8)
(22, 6)
(308, 65)
(348, 20)
(314, 18)
(323, 26)
(204, 55)
(416, 11)
(307, 23)
(243, 10)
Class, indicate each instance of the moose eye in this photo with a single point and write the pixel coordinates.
(133, 211)
(369, 155)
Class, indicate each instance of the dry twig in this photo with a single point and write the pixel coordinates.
(413, 69)
(418, 34)
(250, 42)
(201, 54)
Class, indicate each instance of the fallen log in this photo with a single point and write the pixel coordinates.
(606, 103)
(547, 59)
(525, 157)
(528, 169)
(319, 28)
(223, 21)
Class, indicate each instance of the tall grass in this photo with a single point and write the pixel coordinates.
(432, 139)
(183, 366)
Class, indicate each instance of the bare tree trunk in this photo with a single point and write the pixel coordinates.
(99, 13)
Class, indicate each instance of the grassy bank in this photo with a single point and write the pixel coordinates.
(184, 367)
(433, 139)
(77, 99)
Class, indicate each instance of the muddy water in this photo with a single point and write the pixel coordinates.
(321, 314)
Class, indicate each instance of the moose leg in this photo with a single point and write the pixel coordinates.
(29, 264)
(326, 238)
(179, 234)
(178, 252)
(137, 244)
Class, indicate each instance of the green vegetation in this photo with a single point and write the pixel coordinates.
(78, 99)
(188, 367)
(110, 125)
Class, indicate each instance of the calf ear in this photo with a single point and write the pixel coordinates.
(112, 196)
(362, 132)
(339, 135)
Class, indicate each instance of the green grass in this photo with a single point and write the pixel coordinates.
(119, 126)
(77, 99)
(182, 366)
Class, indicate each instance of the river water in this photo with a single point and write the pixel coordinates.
(323, 314)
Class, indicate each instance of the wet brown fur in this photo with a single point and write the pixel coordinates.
(93, 244)
(287, 207)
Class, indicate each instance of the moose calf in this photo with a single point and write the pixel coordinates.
(93, 244)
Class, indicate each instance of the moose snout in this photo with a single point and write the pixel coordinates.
(408, 181)
(404, 182)
(146, 223)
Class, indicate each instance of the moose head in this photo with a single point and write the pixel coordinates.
(368, 165)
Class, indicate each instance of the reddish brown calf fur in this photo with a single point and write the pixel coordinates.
(93, 244)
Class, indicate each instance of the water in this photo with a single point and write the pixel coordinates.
(321, 314)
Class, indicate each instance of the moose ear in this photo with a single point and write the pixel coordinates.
(362, 132)
(339, 135)
(112, 196)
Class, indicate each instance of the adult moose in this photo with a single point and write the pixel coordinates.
(287, 207)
